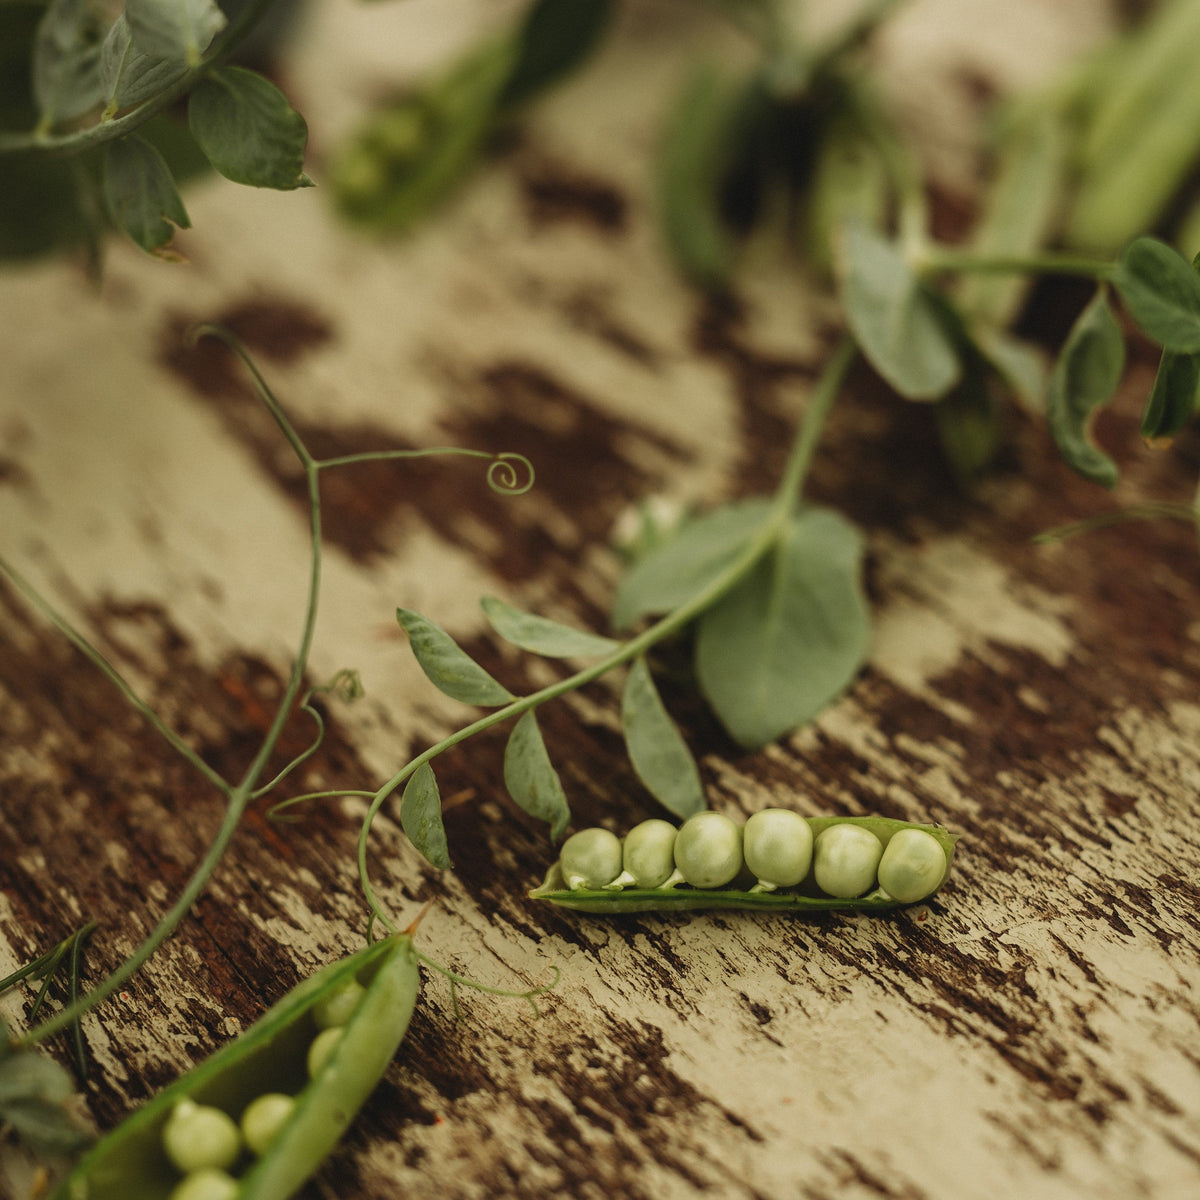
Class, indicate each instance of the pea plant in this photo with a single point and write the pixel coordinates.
(100, 84)
(35, 1091)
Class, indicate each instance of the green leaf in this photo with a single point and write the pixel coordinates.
(712, 118)
(66, 61)
(1083, 380)
(790, 637)
(531, 779)
(421, 817)
(555, 37)
(896, 321)
(683, 566)
(141, 195)
(541, 635)
(248, 130)
(177, 29)
(29, 1075)
(657, 750)
(1161, 290)
(448, 667)
(1172, 402)
(129, 75)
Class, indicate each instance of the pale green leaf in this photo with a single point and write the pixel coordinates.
(791, 636)
(421, 817)
(682, 567)
(897, 323)
(1083, 380)
(1161, 290)
(129, 75)
(175, 29)
(531, 779)
(248, 130)
(657, 750)
(141, 195)
(540, 635)
(66, 61)
(448, 667)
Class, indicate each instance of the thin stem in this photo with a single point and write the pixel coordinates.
(939, 260)
(786, 498)
(109, 130)
(165, 927)
(110, 672)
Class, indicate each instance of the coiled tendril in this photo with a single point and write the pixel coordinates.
(510, 474)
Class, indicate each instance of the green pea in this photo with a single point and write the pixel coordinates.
(198, 1136)
(708, 850)
(337, 1007)
(649, 854)
(264, 1118)
(322, 1048)
(912, 866)
(206, 1184)
(845, 858)
(270, 1057)
(778, 846)
(591, 858)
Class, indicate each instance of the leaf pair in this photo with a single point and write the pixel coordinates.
(1161, 292)
(782, 642)
(657, 750)
(246, 128)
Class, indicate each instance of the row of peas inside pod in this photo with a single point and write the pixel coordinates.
(205, 1143)
(776, 859)
(260, 1115)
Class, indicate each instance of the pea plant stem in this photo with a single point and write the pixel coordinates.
(943, 260)
(240, 795)
(787, 497)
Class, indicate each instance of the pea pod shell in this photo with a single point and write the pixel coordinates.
(270, 1056)
(681, 899)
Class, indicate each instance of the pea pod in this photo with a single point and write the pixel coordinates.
(270, 1058)
(914, 868)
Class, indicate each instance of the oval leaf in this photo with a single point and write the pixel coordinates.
(128, 74)
(531, 779)
(555, 37)
(657, 750)
(66, 61)
(248, 130)
(1083, 380)
(177, 29)
(683, 566)
(540, 635)
(141, 195)
(1161, 290)
(790, 637)
(448, 667)
(1172, 402)
(421, 817)
(896, 322)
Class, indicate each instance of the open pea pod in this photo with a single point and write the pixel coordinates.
(742, 892)
(272, 1057)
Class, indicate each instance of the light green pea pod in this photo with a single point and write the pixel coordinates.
(270, 1057)
(805, 896)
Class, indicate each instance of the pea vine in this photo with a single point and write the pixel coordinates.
(35, 1090)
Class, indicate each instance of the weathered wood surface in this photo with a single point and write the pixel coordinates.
(1033, 1033)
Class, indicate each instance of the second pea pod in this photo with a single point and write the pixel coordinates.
(259, 1116)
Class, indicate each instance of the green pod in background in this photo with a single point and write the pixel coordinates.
(130, 1163)
(804, 897)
